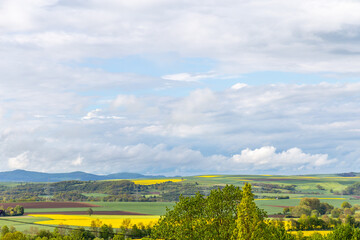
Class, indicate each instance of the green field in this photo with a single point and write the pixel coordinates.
(95, 194)
(24, 223)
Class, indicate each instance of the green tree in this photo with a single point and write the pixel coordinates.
(201, 217)
(300, 210)
(14, 236)
(90, 211)
(95, 226)
(106, 232)
(312, 203)
(221, 212)
(344, 232)
(81, 234)
(4, 230)
(250, 222)
(19, 210)
(346, 205)
(325, 208)
(251, 225)
(335, 213)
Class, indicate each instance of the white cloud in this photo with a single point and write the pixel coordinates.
(78, 161)
(21, 161)
(238, 86)
(98, 114)
(46, 44)
(266, 157)
(203, 131)
(241, 36)
(187, 77)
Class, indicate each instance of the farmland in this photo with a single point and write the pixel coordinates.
(147, 199)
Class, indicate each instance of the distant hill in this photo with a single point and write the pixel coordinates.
(29, 176)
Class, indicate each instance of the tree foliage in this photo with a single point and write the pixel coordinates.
(201, 217)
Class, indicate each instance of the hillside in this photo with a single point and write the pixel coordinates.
(29, 176)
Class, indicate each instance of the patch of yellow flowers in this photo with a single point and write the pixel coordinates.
(209, 176)
(85, 221)
(155, 181)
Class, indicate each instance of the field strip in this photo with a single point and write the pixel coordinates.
(86, 213)
(155, 181)
(324, 198)
(85, 221)
(209, 176)
(28, 205)
(309, 233)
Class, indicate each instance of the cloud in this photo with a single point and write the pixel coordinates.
(264, 157)
(306, 38)
(238, 86)
(56, 106)
(206, 130)
(21, 161)
(78, 161)
(96, 114)
(187, 77)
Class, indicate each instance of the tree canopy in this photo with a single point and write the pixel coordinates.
(201, 217)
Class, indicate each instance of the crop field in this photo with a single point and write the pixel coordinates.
(154, 181)
(148, 208)
(85, 221)
(42, 205)
(309, 233)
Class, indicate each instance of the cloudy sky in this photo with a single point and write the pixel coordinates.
(180, 87)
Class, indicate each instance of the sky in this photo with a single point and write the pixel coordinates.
(180, 87)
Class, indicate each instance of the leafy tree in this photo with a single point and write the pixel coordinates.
(221, 212)
(4, 230)
(346, 205)
(335, 213)
(312, 203)
(300, 210)
(95, 226)
(344, 232)
(14, 236)
(250, 222)
(198, 217)
(315, 213)
(185, 221)
(325, 208)
(106, 232)
(81, 234)
(90, 211)
(19, 210)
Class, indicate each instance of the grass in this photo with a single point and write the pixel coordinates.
(23, 223)
(95, 194)
(10, 184)
(151, 208)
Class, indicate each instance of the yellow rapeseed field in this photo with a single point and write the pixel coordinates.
(309, 233)
(85, 221)
(154, 181)
(209, 176)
